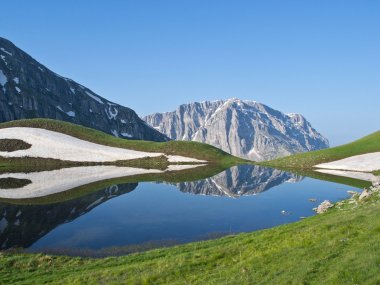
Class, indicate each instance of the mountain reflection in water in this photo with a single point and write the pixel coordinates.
(151, 212)
(238, 181)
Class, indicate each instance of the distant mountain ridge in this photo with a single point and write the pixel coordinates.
(30, 90)
(247, 129)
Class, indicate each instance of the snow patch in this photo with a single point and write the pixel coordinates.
(178, 158)
(292, 180)
(254, 153)
(3, 79)
(111, 111)
(72, 90)
(7, 52)
(40, 68)
(18, 90)
(115, 133)
(49, 144)
(127, 135)
(3, 224)
(93, 204)
(69, 113)
(365, 162)
(3, 58)
(96, 98)
(16, 80)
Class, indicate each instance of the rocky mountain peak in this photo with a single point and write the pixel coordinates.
(244, 128)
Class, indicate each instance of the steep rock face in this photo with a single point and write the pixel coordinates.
(243, 128)
(30, 90)
(239, 181)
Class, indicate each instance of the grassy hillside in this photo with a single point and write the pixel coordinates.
(307, 160)
(184, 148)
(338, 247)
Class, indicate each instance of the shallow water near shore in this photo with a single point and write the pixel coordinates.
(136, 216)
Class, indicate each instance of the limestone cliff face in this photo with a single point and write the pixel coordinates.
(30, 90)
(243, 128)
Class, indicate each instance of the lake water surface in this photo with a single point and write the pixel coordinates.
(241, 199)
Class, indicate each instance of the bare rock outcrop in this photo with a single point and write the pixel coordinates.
(323, 207)
(246, 129)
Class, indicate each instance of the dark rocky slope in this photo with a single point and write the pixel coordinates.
(30, 90)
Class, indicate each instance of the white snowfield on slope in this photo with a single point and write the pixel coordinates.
(50, 144)
(365, 162)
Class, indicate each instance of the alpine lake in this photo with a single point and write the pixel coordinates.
(117, 216)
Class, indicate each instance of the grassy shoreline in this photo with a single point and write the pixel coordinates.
(306, 160)
(338, 247)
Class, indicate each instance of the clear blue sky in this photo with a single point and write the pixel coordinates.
(318, 58)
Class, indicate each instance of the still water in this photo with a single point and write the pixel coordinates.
(241, 199)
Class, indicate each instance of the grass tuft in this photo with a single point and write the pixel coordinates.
(10, 145)
(11, 183)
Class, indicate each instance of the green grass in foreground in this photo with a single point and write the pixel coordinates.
(184, 148)
(377, 172)
(370, 143)
(338, 247)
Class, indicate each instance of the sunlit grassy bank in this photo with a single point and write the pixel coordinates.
(307, 160)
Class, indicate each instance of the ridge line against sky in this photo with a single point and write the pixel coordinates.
(317, 58)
